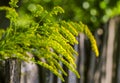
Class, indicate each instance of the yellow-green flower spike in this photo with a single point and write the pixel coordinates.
(50, 68)
(92, 40)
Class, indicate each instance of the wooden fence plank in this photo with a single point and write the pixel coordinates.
(12, 71)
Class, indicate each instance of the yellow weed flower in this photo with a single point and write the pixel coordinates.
(92, 40)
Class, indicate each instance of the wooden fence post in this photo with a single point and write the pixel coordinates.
(12, 71)
(116, 58)
(81, 58)
(2, 72)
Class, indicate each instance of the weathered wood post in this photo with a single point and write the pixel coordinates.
(81, 58)
(111, 45)
(12, 71)
(2, 72)
(116, 58)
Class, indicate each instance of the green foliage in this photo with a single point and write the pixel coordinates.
(37, 36)
(13, 3)
(115, 11)
(91, 12)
